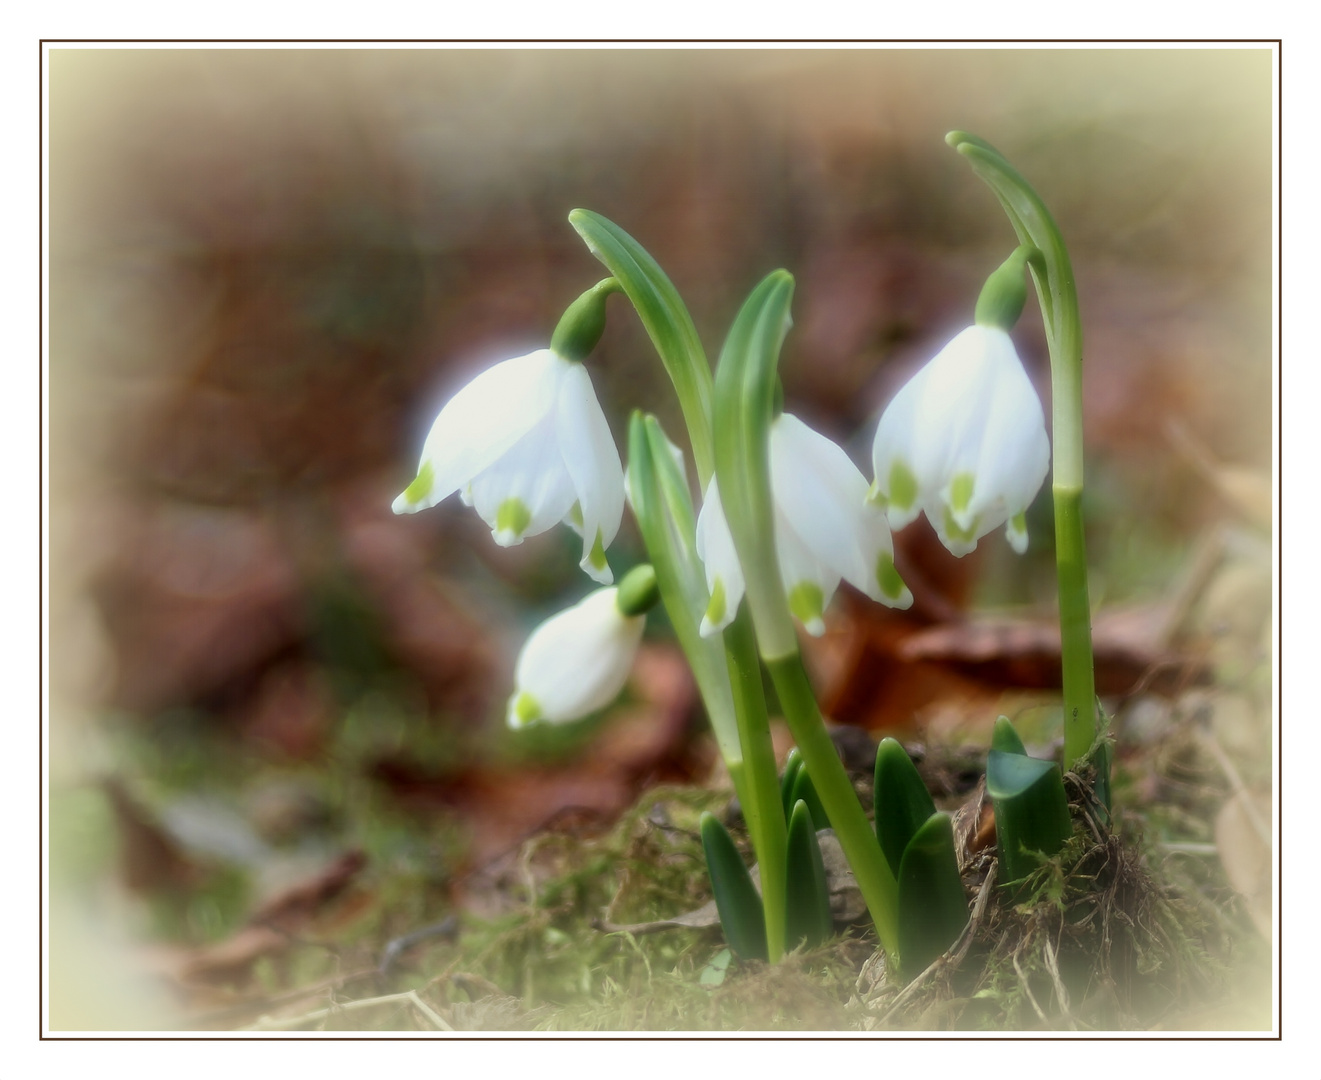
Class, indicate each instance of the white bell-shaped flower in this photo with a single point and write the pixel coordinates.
(575, 662)
(527, 445)
(965, 441)
(825, 530)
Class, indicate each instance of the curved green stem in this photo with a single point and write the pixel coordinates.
(1052, 275)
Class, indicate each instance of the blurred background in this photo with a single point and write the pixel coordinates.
(268, 270)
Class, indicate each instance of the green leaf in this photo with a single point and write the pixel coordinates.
(805, 790)
(1031, 811)
(666, 320)
(792, 764)
(1005, 738)
(1031, 221)
(901, 801)
(737, 901)
(932, 907)
(664, 514)
(744, 395)
(807, 893)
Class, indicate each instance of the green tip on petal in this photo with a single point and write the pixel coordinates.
(876, 496)
(956, 532)
(511, 520)
(903, 486)
(715, 609)
(576, 515)
(887, 577)
(1016, 531)
(421, 486)
(523, 710)
(596, 557)
(960, 491)
(807, 604)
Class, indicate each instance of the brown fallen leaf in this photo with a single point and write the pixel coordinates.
(1127, 643)
(150, 859)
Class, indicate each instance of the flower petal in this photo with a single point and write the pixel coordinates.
(819, 491)
(1015, 451)
(575, 662)
(526, 491)
(809, 584)
(951, 412)
(895, 487)
(480, 423)
(724, 574)
(823, 496)
(591, 460)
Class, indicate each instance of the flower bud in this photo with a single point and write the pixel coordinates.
(575, 662)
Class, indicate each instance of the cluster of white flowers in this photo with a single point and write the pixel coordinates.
(527, 445)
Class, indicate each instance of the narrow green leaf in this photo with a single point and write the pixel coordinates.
(664, 514)
(737, 901)
(805, 790)
(901, 801)
(933, 909)
(1005, 738)
(667, 322)
(1031, 811)
(744, 395)
(792, 764)
(1031, 221)
(807, 893)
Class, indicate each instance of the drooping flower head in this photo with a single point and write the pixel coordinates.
(964, 440)
(527, 445)
(825, 530)
(576, 662)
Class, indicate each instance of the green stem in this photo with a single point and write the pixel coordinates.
(760, 794)
(1053, 276)
(851, 826)
(1075, 626)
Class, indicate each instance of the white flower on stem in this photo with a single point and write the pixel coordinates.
(575, 662)
(965, 441)
(825, 530)
(527, 445)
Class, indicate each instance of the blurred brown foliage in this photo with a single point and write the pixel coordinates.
(269, 268)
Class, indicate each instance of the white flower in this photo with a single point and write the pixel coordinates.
(575, 662)
(965, 441)
(825, 530)
(526, 444)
